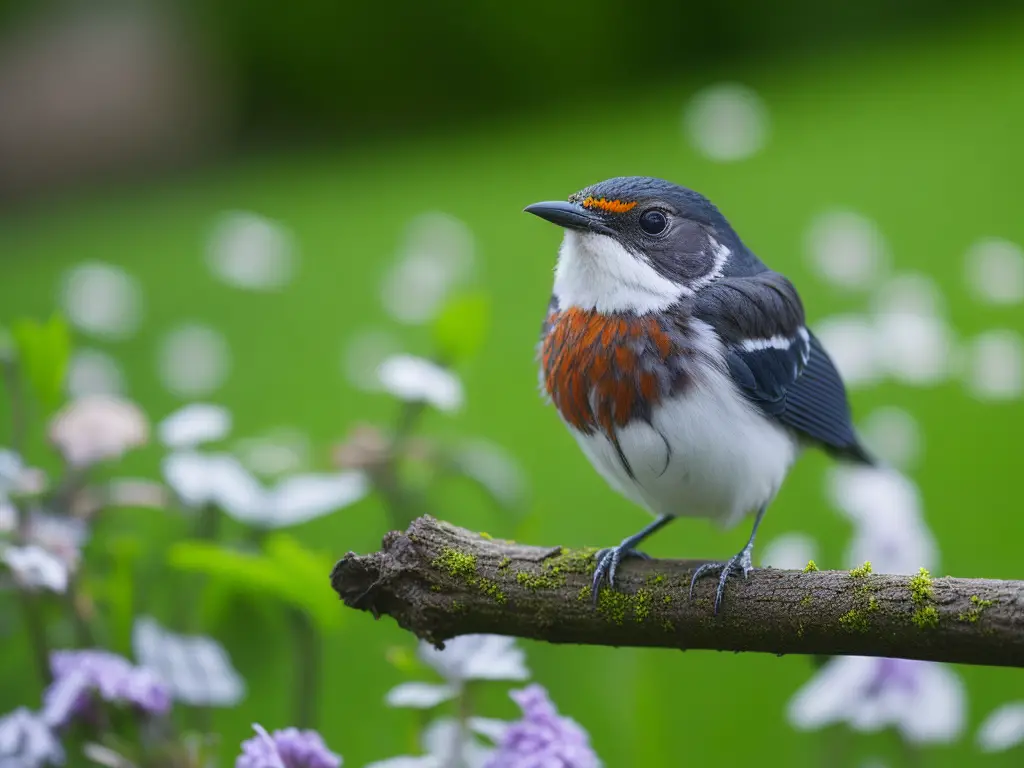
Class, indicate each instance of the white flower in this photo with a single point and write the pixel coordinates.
(8, 516)
(418, 380)
(219, 479)
(251, 252)
(26, 741)
(91, 372)
(443, 741)
(915, 349)
(278, 452)
(791, 551)
(98, 428)
(1003, 729)
(305, 497)
(885, 507)
(893, 435)
(35, 568)
(847, 248)
(726, 122)
(995, 271)
(61, 536)
(419, 695)
(437, 255)
(996, 368)
(195, 424)
(105, 756)
(924, 700)
(102, 300)
(197, 669)
(193, 360)
(850, 342)
(201, 479)
(11, 468)
(477, 657)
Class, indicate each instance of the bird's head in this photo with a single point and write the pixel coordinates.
(639, 244)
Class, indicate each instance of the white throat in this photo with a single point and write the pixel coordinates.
(596, 272)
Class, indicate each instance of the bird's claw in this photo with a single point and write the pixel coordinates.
(739, 564)
(608, 560)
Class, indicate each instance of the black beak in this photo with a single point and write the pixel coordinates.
(570, 216)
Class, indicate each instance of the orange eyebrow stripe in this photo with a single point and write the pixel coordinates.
(611, 206)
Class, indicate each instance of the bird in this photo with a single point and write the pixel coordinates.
(682, 364)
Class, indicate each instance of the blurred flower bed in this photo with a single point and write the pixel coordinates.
(118, 687)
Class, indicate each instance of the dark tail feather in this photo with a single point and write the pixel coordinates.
(856, 453)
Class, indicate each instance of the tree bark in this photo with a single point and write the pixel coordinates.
(439, 581)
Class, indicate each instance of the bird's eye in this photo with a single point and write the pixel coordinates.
(653, 222)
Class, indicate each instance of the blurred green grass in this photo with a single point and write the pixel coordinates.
(922, 136)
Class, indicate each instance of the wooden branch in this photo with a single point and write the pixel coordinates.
(439, 581)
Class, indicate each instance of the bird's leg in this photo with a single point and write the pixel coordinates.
(739, 564)
(608, 559)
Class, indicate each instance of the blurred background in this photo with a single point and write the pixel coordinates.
(255, 204)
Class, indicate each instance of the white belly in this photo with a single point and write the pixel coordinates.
(707, 454)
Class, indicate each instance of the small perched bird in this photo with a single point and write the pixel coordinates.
(682, 364)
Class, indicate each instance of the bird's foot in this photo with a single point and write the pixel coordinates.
(739, 564)
(608, 562)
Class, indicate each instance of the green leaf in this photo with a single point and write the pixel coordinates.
(44, 351)
(460, 329)
(286, 572)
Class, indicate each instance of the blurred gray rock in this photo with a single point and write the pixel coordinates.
(89, 96)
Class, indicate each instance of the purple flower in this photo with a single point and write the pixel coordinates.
(79, 676)
(543, 738)
(287, 748)
(925, 701)
(27, 742)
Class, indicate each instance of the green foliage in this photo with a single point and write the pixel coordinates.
(44, 350)
(461, 327)
(434, 63)
(858, 116)
(284, 571)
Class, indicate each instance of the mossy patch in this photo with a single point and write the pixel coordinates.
(505, 563)
(553, 570)
(925, 615)
(612, 605)
(811, 567)
(858, 620)
(861, 571)
(921, 587)
(806, 600)
(456, 564)
(584, 593)
(486, 535)
(537, 581)
(977, 608)
(572, 561)
(492, 590)
(642, 607)
(461, 566)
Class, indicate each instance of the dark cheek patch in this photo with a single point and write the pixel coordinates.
(684, 255)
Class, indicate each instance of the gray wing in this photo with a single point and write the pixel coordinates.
(776, 362)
